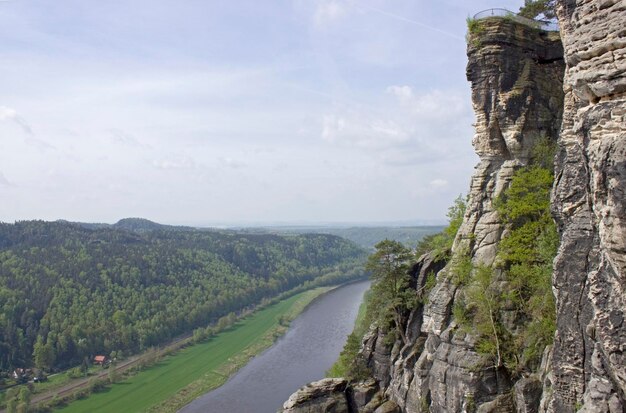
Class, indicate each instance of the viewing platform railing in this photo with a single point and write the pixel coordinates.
(546, 25)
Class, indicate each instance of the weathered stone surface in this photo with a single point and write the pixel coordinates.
(516, 78)
(501, 404)
(516, 82)
(388, 407)
(361, 393)
(516, 75)
(324, 396)
(528, 393)
(589, 203)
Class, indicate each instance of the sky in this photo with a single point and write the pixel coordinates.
(236, 111)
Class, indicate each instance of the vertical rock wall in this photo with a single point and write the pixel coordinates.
(516, 76)
(589, 203)
(516, 81)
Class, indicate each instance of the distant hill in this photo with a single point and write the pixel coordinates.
(145, 225)
(366, 237)
(71, 290)
(139, 225)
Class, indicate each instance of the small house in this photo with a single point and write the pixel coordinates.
(99, 360)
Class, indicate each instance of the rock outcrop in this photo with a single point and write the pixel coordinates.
(516, 74)
(327, 395)
(335, 396)
(526, 86)
(589, 204)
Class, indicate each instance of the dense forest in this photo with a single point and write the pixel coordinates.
(69, 291)
(367, 237)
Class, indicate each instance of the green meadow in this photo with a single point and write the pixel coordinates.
(178, 379)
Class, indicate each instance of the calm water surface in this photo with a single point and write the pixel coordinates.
(302, 355)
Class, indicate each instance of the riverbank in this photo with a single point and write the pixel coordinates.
(345, 363)
(313, 342)
(180, 378)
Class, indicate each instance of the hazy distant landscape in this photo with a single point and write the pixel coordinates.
(352, 206)
(365, 236)
(72, 290)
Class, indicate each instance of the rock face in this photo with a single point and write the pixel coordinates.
(335, 396)
(589, 204)
(516, 75)
(327, 396)
(522, 91)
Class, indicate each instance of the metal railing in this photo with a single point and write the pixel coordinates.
(546, 25)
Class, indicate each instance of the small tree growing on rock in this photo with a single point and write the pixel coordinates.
(389, 267)
(534, 8)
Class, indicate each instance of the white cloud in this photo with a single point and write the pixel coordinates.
(11, 115)
(330, 89)
(401, 92)
(438, 183)
(434, 105)
(328, 11)
(181, 162)
(4, 182)
(408, 129)
(360, 129)
(120, 136)
(232, 163)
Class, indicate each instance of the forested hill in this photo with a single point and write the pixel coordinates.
(140, 225)
(368, 237)
(67, 291)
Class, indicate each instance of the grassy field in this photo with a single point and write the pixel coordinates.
(178, 379)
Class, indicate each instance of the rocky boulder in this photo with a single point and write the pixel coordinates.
(324, 396)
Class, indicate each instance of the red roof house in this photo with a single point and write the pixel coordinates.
(99, 359)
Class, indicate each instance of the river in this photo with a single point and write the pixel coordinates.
(310, 346)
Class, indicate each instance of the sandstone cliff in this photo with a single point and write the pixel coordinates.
(588, 364)
(521, 95)
(515, 74)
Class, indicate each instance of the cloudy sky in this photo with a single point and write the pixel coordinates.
(235, 111)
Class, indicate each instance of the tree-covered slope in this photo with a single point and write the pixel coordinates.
(367, 237)
(68, 292)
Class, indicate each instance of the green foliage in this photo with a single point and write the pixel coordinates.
(202, 367)
(429, 284)
(389, 266)
(461, 315)
(95, 385)
(68, 292)
(43, 354)
(461, 268)
(350, 364)
(440, 245)
(535, 8)
(528, 197)
(522, 289)
(391, 295)
(485, 302)
(474, 26)
(114, 375)
(18, 400)
(366, 237)
(474, 29)
(542, 154)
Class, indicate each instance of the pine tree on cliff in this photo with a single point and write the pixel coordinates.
(392, 296)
